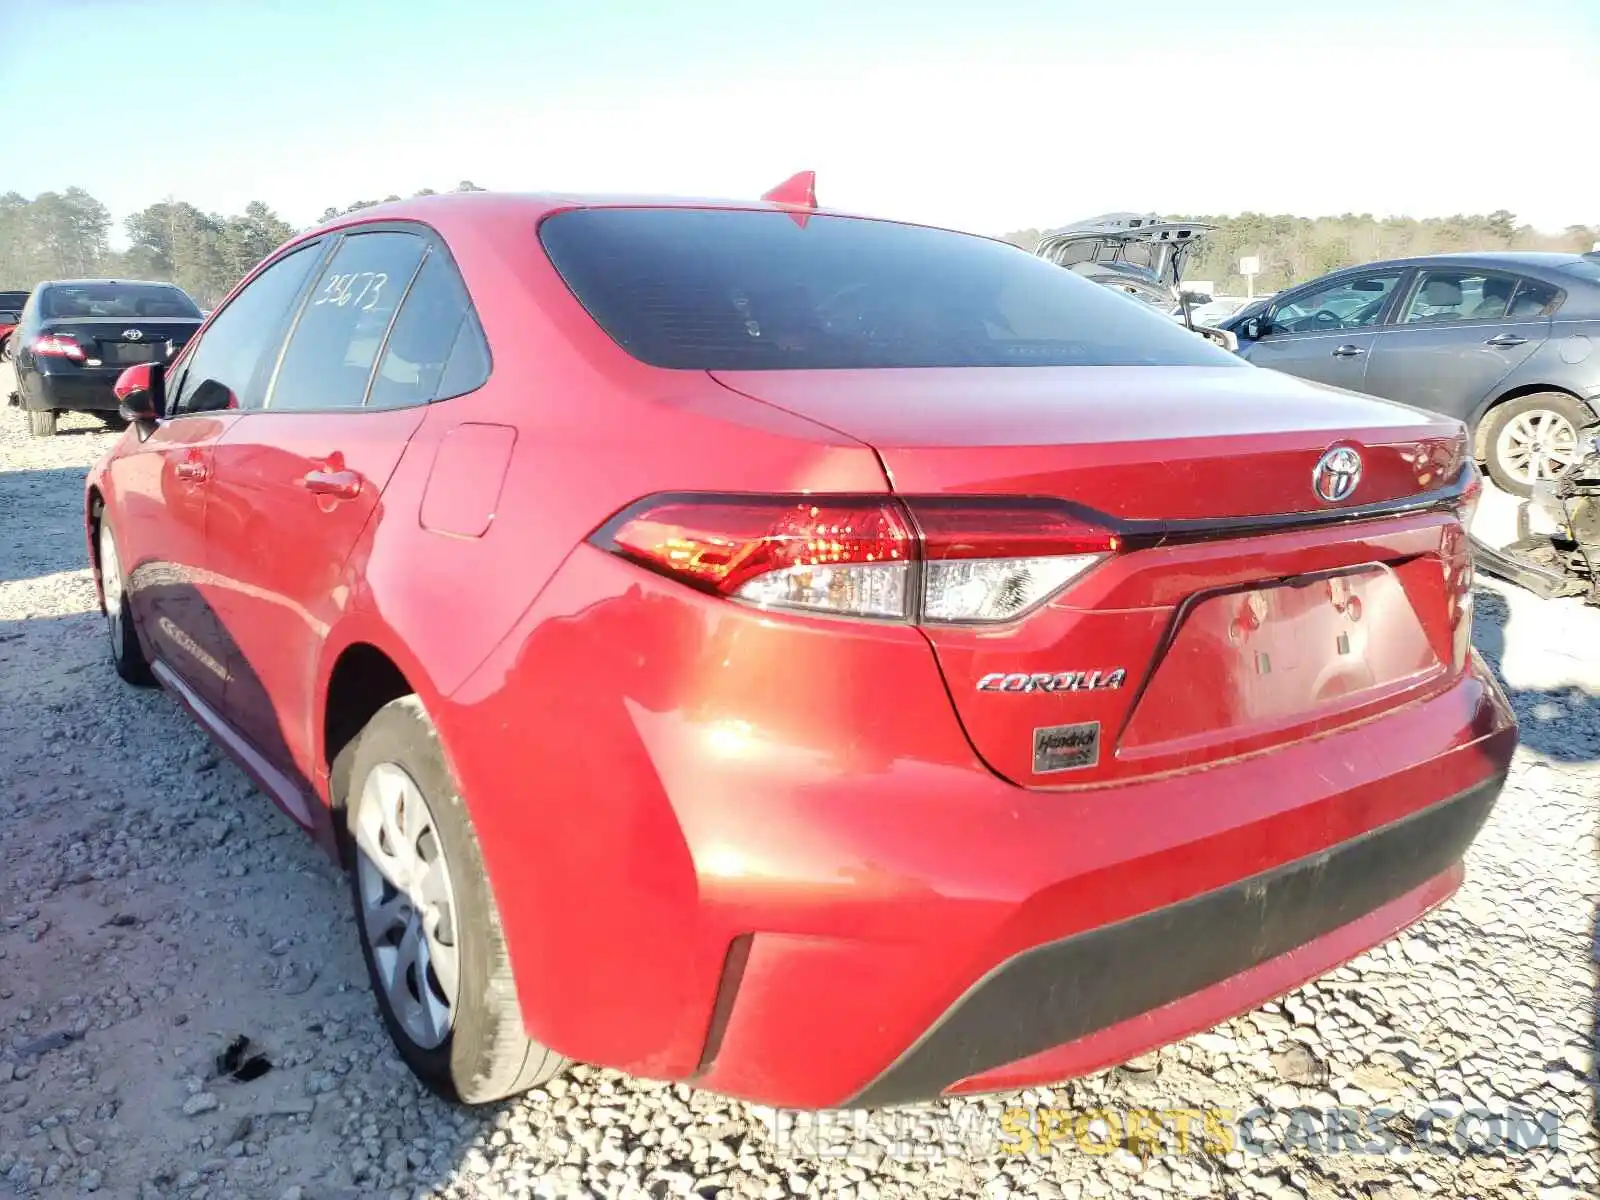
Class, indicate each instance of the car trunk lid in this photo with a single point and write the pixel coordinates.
(1241, 610)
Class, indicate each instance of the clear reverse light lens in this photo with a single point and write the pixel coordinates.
(996, 589)
(859, 589)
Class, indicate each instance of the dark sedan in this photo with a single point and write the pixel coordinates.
(76, 336)
(1505, 341)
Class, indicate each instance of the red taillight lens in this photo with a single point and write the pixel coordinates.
(962, 528)
(1459, 566)
(58, 345)
(838, 555)
(946, 561)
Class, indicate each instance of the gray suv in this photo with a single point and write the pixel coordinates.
(1507, 341)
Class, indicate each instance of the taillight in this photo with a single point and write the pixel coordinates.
(993, 561)
(1459, 566)
(930, 560)
(58, 345)
(824, 555)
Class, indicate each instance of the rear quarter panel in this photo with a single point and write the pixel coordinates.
(594, 431)
(1569, 361)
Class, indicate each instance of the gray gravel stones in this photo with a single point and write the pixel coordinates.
(115, 806)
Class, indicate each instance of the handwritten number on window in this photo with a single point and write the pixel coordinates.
(364, 289)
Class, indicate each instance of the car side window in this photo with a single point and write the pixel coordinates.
(1349, 304)
(229, 367)
(423, 339)
(1446, 295)
(328, 361)
(468, 368)
(1533, 298)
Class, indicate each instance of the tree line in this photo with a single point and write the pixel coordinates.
(1292, 249)
(67, 234)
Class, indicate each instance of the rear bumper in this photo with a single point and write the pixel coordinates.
(1068, 990)
(77, 392)
(758, 854)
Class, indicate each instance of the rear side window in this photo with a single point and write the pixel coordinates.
(752, 290)
(1534, 298)
(333, 347)
(1454, 295)
(230, 365)
(424, 335)
(468, 368)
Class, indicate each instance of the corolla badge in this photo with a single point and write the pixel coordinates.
(1337, 473)
(1054, 681)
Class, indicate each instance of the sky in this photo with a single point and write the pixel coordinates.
(988, 117)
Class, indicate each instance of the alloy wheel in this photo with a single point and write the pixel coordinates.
(1537, 445)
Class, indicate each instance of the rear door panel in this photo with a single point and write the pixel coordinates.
(1451, 368)
(280, 552)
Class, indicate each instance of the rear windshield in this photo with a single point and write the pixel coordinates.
(115, 300)
(752, 290)
(1586, 268)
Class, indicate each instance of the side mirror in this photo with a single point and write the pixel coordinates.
(1228, 340)
(141, 393)
(1255, 327)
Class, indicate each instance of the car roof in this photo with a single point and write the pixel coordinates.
(453, 211)
(524, 204)
(103, 282)
(1547, 259)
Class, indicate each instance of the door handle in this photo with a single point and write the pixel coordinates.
(341, 485)
(191, 471)
(1348, 351)
(1505, 339)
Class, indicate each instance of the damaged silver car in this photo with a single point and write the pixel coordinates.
(1138, 254)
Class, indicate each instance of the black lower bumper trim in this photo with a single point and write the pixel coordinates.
(1541, 580)
(1066, 990)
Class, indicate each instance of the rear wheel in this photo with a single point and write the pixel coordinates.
(127, 656)
(41, 422)
(1534, 438)
(429, 927)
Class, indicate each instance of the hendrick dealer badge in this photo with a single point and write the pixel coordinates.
(1066, 747)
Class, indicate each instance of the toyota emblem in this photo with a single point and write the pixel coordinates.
(1338, 471)
(133, 335)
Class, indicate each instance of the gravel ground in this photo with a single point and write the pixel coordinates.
(153, 906)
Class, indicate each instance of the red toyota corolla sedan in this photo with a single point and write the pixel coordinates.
(819, 659)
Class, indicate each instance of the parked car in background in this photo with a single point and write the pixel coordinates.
(1505, 341)
(821, 659)
(1213, 311)
(10, 313)
(1136, 253)
(75, 336)
(1140, 256)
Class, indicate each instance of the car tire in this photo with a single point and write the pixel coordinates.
(405, 819)
(1514, 438)
(127, 656)
(41, 422)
